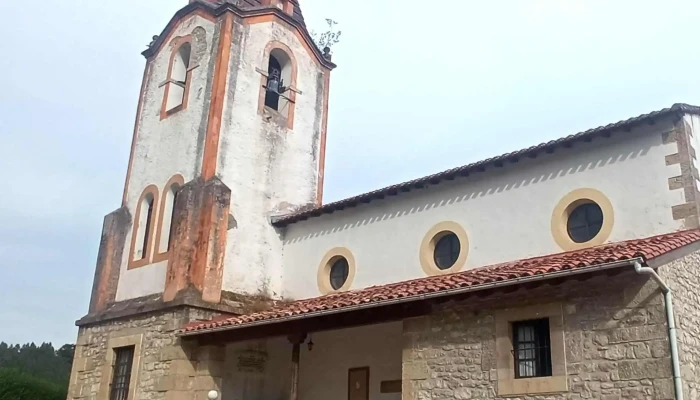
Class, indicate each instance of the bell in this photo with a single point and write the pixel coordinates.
(273, 84)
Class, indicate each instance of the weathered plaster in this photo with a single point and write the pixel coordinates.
(269, 168)
(142, 281)
(170, 146)
(115, 230)
(200, 222)
(506, 211)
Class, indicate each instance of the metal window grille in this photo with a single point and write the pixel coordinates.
(531, 349)
(124, 358)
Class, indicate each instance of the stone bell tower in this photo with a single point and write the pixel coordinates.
(230, 130)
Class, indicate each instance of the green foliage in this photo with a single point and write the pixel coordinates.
(34, 372)
(327, 38)
(16, 385)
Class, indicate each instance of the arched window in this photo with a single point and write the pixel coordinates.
(178, 82)
(145, 218)
(278, 91)
(274, 72)
(164, 237)
(144, 231)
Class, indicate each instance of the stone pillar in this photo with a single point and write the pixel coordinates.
(193, 372)
(200, 222)
(414, 369)
(296, 341)
(109, 258)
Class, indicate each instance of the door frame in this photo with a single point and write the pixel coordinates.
(350, 371)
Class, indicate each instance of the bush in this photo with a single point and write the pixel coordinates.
(16, 385)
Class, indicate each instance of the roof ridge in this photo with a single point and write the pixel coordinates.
(477, 166)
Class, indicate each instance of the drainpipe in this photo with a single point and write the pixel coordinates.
(668, 300)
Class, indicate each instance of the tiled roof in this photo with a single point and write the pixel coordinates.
(479, 166)
(244, 8)
(248, 4)
(514, 271)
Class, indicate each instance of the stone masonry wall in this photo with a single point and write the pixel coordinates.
(166, 370)
(616, 343)
(682, 276)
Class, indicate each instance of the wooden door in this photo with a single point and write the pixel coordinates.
(358, 383)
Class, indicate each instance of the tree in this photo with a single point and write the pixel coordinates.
(327, 39)
(41, 362)
(17, 385)
(66, 352)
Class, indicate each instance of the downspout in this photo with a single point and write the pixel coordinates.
(672, 337)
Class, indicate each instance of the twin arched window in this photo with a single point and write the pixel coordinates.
(153, 227)
(179, 76)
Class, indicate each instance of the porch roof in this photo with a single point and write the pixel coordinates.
(509, 273)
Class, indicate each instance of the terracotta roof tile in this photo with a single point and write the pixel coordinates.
(647, 249)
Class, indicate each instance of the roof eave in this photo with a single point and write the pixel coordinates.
(677, 109)
(421, 297)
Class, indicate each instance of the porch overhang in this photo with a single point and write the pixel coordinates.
(413, 298)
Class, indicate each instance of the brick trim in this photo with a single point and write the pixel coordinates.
(177, 44)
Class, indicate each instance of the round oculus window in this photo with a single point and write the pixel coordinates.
(446, 251)
(585, 222)
(339, 273)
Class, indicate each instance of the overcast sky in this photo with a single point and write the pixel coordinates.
(420, 87)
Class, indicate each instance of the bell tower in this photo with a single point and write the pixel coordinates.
(230, 130)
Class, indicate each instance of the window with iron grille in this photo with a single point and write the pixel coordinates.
(531, 348)
(123, 361)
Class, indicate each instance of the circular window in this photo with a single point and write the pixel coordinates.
(339, 273)
(583, 218)
(336, 271)
(446, 251)
(585, 221)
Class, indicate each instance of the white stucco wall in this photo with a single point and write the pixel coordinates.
(166, 147)
(506, 212)
(142, 281)
(267, 167)
(323, 372)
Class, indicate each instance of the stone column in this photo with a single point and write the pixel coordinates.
(200, 222)
(115, 229)
(193, 372)
(296, 341)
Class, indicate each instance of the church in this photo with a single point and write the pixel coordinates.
(566, 270)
